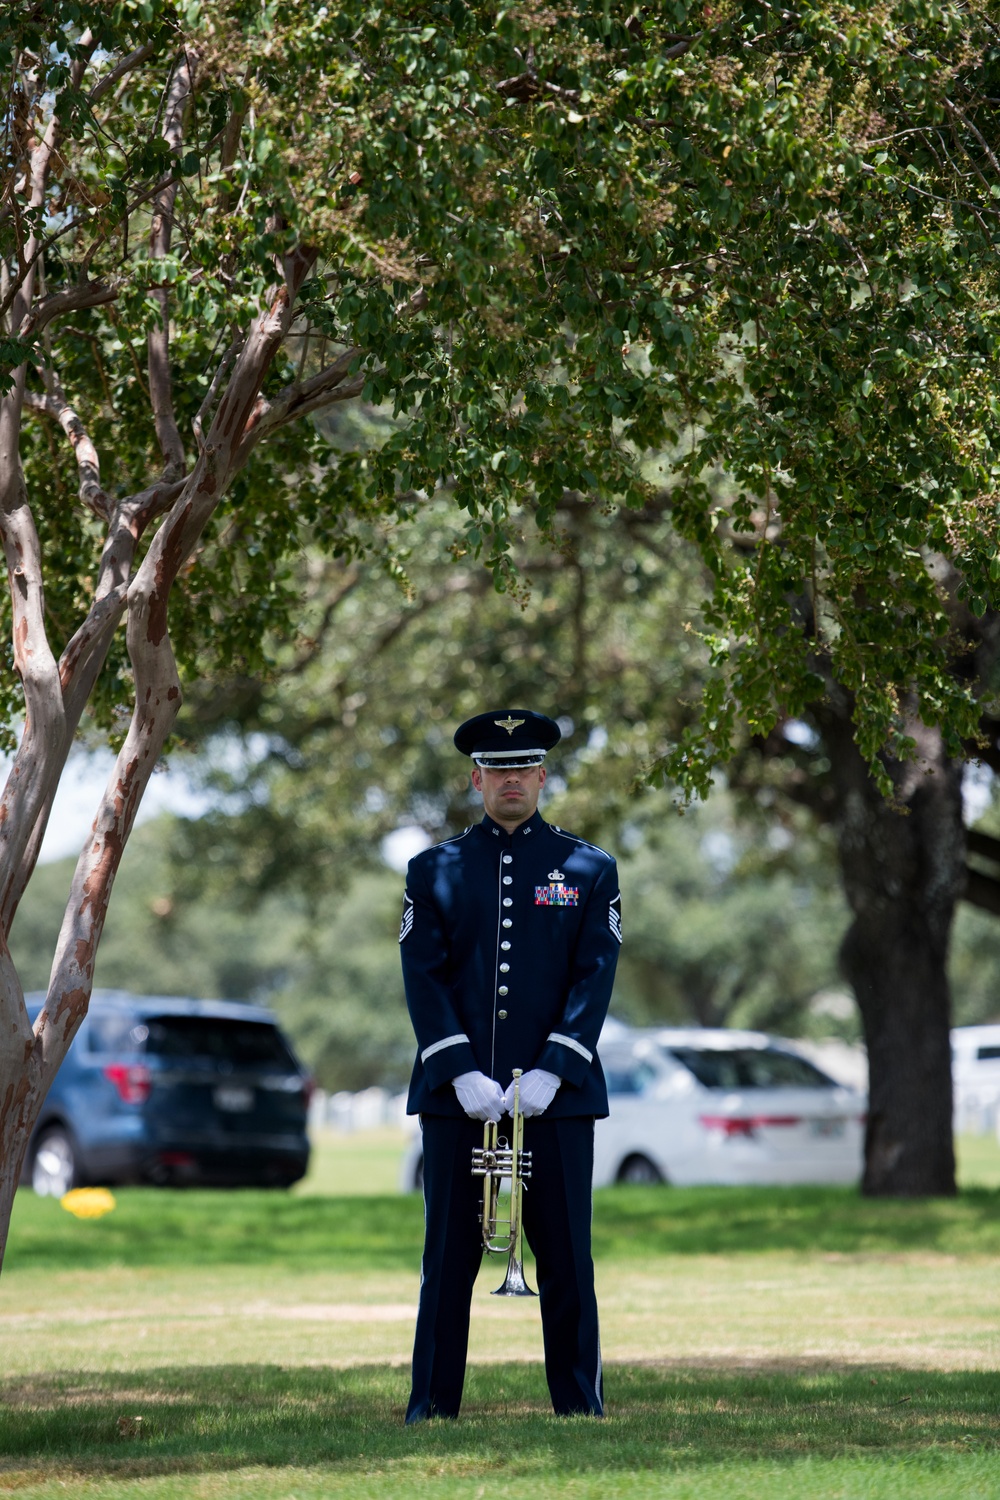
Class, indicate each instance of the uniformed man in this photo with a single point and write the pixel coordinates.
(509, 941)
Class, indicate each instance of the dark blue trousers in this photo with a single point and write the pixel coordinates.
(557, 1212)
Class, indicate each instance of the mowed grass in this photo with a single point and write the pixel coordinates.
(258, 1431)
(160, 1227)
(363, 1163)
(759, 1343)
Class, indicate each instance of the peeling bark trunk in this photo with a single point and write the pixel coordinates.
(57, 687)
(903, 870)
(29, 1058)
(21, 1091)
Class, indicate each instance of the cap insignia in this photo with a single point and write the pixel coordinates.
(509, 724)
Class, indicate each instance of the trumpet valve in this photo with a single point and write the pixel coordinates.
(486, 1163)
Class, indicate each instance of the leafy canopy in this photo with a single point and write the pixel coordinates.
(555, 239)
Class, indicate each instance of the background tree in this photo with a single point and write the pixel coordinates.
(181, 189)
(822, 183)
(553, 240)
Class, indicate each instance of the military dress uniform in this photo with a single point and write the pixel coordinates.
(509, 943)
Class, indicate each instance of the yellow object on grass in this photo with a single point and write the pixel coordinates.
(88, 1203)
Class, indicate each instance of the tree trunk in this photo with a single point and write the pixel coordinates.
(903, 868)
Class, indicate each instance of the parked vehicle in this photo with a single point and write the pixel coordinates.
(702, 1106)
(975, 1074)
(172, 1092)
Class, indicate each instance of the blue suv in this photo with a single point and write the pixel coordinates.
(172, 1092)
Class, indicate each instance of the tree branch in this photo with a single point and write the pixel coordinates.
(58, 408)
(84, 294)
(211, 393)
(158, 698)
(160, 386)
(157, 687)
(35, 771)
(229, 151)
(85, 654)
(127, 65)
(302, 397)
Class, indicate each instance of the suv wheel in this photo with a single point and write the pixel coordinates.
(53, 1170)
(639, 1169)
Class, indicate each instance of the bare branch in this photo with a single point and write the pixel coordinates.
(58, 408)
(160, 386)
(302, 397)
(127, 65)
(229, 151)
(35, 770)
(37, 179)
(158, 695)
(84, 294)
(958, 114)
(212, 391)
(85, 654)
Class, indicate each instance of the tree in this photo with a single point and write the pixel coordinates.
(195, 187)
(553, 240)
(827, 338)
(823, 186)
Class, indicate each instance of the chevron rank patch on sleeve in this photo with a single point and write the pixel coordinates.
(406, 924)
(615, 916)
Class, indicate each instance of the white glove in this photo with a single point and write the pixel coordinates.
(538, 1089)
(479, 1096)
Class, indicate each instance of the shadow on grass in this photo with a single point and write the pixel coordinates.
(153, 1227)
(186, 1420)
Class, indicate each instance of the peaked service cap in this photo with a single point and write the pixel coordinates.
(508, 737)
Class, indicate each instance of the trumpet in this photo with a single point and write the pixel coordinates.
(496, 1159)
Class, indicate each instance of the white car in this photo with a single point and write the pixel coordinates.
(975, 1074)
(700, 1106)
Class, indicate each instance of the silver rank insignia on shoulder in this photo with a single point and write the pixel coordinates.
(556, 876)
(509, 724)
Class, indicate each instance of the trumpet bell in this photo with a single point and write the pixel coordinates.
(514, 1284)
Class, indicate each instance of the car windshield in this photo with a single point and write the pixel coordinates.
(750, 1068)
(246, 1043)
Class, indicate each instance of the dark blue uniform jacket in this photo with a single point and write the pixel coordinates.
(509, 944)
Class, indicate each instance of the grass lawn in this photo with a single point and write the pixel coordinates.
(368, 1161)
(365, 1163)
(250, 1430)
(759, 1343)
(978, 1158)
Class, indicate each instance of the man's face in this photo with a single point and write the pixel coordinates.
(509, 796)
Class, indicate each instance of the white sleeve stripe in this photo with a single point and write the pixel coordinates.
(449, 1041)
(568, 1041)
